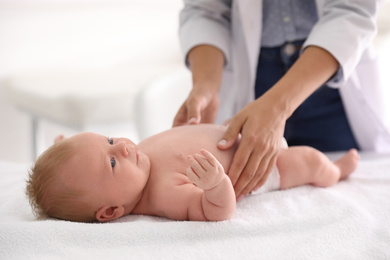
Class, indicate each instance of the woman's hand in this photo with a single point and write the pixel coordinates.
(201, 106)
(206, 63)
(59, 138)
(262, 128)
(261, 123)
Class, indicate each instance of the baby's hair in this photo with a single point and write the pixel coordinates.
(49, 197)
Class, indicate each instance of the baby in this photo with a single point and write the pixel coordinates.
(177, 174)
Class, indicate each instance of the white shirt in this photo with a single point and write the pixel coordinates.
(344, 28)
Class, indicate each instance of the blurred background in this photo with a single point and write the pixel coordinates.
(92, 46)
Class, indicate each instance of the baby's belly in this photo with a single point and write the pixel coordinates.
(171, 148)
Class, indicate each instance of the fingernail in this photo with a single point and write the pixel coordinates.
(192, 120)
(223, 142)
(240, 197)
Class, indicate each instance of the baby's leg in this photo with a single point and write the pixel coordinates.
(300, 165)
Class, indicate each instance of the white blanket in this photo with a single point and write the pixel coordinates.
(350, 220)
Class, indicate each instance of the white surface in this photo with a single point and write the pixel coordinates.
(77, 97)
(349, 220)
(84, 34)
(157, 103)
(76, 37)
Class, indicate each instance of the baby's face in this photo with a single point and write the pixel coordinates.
(110, 170)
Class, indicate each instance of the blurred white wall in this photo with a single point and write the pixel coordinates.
(95, 34)
(79, 34)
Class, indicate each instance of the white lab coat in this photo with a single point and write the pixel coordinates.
(345, 29)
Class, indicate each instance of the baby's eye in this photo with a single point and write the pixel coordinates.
(110, 141)
(113, 162)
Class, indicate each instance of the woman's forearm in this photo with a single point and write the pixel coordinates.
(206, 63)
(313, 68)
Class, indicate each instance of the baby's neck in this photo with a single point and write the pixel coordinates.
(142, 203)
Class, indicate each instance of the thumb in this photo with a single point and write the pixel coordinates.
(230, 135)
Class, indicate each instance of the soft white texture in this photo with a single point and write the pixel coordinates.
(347, 221)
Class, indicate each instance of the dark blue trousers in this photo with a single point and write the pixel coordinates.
(320, 121)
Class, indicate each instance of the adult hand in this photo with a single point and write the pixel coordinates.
(262, 127)
(201, 106)
(206, 63)
(262, 122)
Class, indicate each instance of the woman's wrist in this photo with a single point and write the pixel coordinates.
(312, 70)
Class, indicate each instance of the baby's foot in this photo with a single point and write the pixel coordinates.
(348, 163)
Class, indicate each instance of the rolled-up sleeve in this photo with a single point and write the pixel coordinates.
(345, 29)
(205, 22)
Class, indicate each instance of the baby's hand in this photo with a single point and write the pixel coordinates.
(205, 171)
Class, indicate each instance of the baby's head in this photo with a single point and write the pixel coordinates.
(88, 177)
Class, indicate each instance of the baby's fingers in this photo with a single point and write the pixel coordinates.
(197, 163)
(192, 176)
(204, 162)
(209, 157)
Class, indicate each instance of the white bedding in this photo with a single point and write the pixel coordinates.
(350, 220)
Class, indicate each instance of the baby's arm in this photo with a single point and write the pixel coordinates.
(206, 172)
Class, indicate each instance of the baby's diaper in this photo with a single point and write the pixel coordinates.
(273, 181)
(271, 184)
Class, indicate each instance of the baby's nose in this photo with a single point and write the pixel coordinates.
(126, 148)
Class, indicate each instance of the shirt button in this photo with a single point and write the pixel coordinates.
(289, 49)
(286, 19)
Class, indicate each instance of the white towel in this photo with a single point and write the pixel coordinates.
(350, 220)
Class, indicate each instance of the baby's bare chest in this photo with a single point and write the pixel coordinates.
(170, 191)
(170, 150)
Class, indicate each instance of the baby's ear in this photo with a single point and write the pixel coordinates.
(59, 138)
(107, 213)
